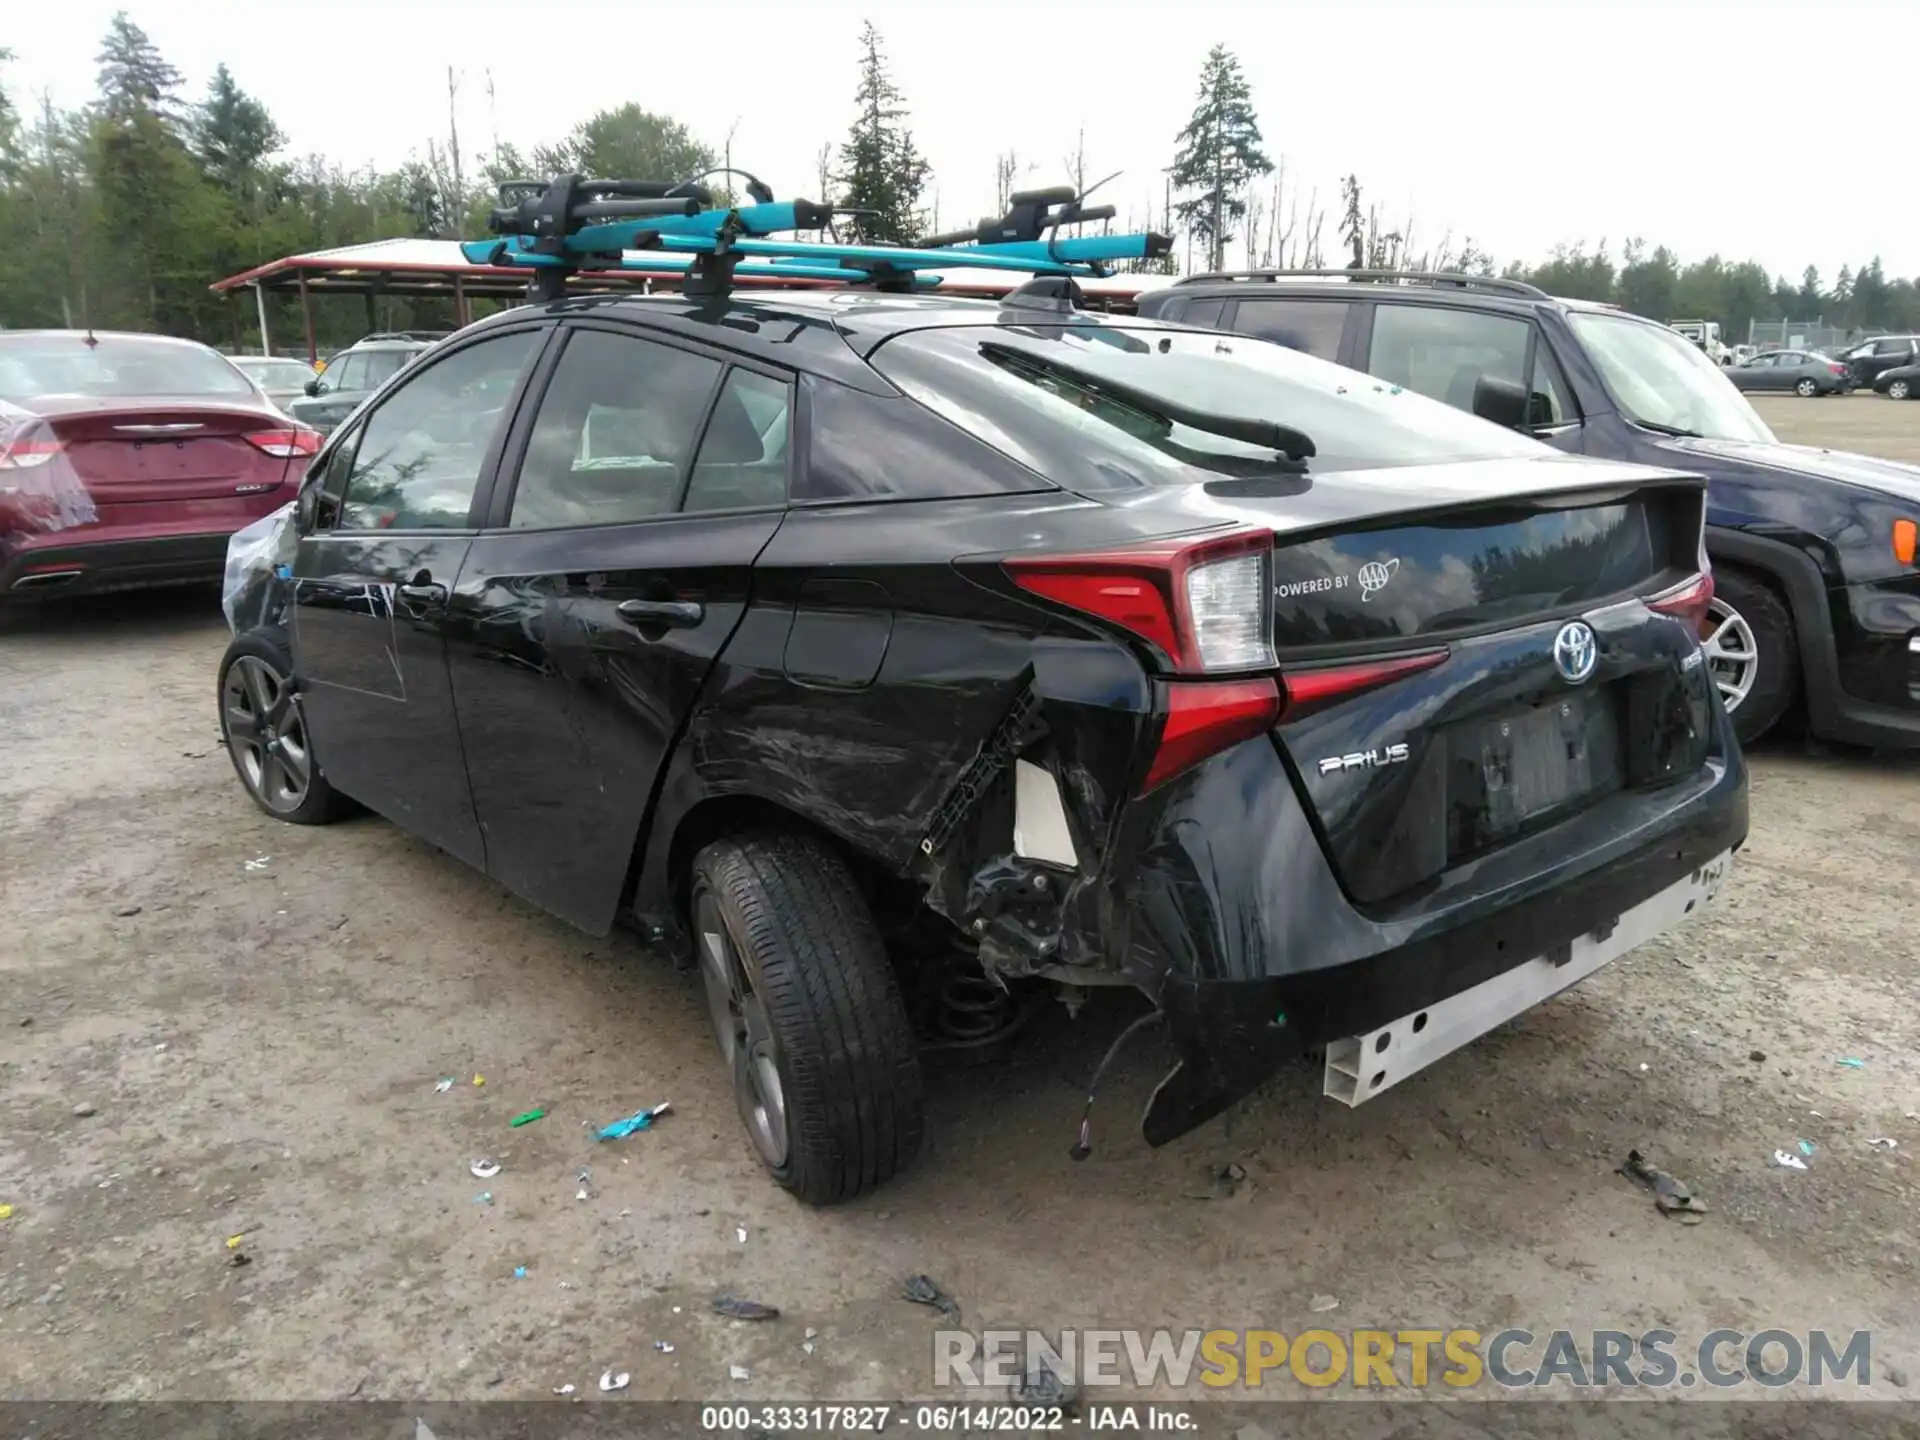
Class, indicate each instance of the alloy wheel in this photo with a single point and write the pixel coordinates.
(264, 729)
(1733, 656)
(742, 1026)
(1899, 390)
(1807, 388)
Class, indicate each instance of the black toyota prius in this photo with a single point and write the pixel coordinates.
(841, 639)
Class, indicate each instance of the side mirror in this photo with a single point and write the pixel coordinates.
(312, 387)
(1503, 402)
(304, 506)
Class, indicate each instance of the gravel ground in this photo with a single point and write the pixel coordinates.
(214, 1026)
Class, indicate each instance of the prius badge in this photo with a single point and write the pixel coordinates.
(1575, 651)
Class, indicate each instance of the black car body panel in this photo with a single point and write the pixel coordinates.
(577, 707)
(1814, 524)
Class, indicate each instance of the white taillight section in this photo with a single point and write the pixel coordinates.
(1231, 605)
(286, 444)
(26, 453)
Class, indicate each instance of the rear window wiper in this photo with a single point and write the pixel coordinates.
(1296, 445)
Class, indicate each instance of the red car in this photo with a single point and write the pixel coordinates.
(127, 460)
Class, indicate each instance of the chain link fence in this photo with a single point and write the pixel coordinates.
(1803, 335)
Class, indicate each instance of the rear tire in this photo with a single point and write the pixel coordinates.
(1752, 655)
(808, 1014)
(265, 732)
(1899, 390)
(1808, 388)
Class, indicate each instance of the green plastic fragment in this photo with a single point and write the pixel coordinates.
(526, 1118)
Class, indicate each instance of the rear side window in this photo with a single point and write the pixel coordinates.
(1313, 327)
(1077, 404)
(1203, 312)
(872, 447)
(615, 433)
(742, 463)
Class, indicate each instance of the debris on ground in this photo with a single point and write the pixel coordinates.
(620, 1129)
(1788, 1162)
(526, 1117)
(1320, 1304)
(1758, 1057)
(485, 1197)
(127, 912)
(1806, 1148)
(609, 1381)
(484, 1169)
(923, 1291)
(233, 1241)
(736, 1308)
(1884, 1142)
(259, 862)
(739, 1372)
(665, 1347)
(519, 1272)
(479, 1080)
(6, 1212)
(740, 1234)
(1223, 1182)
(563, 1389)
(1041, 1385)
(1851, 1063)
(84, 1111)
(441, 1087)
(586, 1179)
(239, 1259)
(1671, 1195)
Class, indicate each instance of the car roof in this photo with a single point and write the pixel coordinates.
(826, 331)
(81, 337)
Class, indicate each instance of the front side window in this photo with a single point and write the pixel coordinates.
(346, 374)
(1662, 382)
(1106, 407)
(1442, 353)
(616, 432)
(419, 454)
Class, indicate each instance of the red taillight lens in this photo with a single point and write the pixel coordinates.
(1205, 718)
(1308, 690)
(1838, 369)
(285, 444)
(1205, 605)
(26, 454)
(1687, 602)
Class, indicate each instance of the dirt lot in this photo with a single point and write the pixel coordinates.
(215, 1026)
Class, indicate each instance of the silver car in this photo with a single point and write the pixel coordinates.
(281, 376)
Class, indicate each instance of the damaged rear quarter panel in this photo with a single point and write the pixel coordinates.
(872, 757)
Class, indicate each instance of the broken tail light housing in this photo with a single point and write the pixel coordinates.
(27, 452)
(286, 444)
(1687, 601)
(1205, 605)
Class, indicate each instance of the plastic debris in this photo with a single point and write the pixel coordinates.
(923, 1291)
(1671, 1196)
(485, 1197)
(519, 1272)
(259, 862)
(740, 1234)
(6, 1212)
(1851, 1063)
(479, 1080)
(1041, 1385)
(665, 1347)
(1788, 1162)
(484, 1169)
(442, 1086)
(233, 1241)
(609, 1381)
(620, 1129)
(735, 1308)
(1884, 1142)
(739, 1372)
(526, 1117)
(563, 1389)
(1223, 1182)
(1806, 1148)
(1320, 1304)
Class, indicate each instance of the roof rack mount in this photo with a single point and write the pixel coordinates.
(646, 227)
(1495, 284)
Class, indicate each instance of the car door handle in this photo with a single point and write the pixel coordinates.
(674, 613)
(424, 594)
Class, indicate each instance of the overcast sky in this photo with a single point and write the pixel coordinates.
(1745, 127)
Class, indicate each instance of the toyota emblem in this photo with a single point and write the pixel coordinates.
(1575, 651)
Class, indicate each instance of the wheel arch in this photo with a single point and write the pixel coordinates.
(1796, 579)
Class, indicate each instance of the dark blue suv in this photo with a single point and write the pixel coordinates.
(1817, 603)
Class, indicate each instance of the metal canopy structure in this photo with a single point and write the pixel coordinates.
(438, 269)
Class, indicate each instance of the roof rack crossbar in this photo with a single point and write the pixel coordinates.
(571, 225)
(1496, 284)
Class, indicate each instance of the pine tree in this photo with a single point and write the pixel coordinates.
(1353, 226)
(232, 134)
(135, 79)
(1219, 155)
(881, 171)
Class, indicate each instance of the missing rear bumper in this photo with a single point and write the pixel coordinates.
(1359, 1067)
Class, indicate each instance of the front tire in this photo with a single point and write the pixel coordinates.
(265, 732)
(808, 1014)
(1807, 388)
(1752, 656)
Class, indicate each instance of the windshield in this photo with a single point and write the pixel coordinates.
(1660, 380)
(272, 371)
(1035, 393)
(113, 366)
